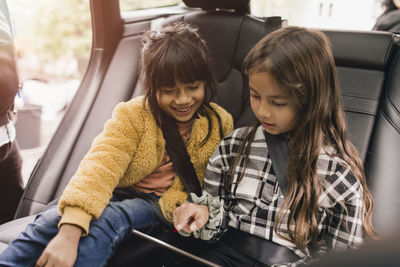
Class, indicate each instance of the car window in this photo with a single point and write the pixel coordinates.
(53, 42)
(323, 14)
(129, 5)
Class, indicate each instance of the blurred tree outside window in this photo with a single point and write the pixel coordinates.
(53, 38)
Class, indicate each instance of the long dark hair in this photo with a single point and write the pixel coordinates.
(302, 64)
(176, 52)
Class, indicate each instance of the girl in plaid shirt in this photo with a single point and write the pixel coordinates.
(294, 92)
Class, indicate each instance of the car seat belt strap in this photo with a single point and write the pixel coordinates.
(279, 153)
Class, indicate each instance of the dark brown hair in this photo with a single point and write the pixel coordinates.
(176, 52)
(302, 64)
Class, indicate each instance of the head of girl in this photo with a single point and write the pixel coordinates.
(175, 72)
(294, 90)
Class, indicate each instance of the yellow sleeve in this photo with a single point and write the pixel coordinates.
(100, 171)
(226, 118)
(76, 216)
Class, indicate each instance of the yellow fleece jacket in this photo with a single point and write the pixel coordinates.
(130, 147)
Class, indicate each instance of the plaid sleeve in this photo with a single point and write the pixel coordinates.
(214, 194)
(344, 228)
(218, 165)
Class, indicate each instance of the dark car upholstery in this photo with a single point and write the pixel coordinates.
(367, 62)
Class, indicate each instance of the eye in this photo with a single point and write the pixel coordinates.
(167, 90)
(254, 96)
(279, 104)
(193, 86)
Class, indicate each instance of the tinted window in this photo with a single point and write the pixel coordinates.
(129, 5)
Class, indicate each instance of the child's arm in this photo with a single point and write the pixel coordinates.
(205, 217)
(344, 228)
(90, 189)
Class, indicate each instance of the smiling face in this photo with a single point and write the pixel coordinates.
(271, 105)
(182, 100)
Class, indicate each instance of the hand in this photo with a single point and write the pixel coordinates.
(190, 217)
(62, 250)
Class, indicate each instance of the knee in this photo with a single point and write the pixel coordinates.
(43, 227)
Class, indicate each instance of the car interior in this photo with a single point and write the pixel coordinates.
(368, 65)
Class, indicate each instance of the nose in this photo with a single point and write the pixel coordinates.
(183, 97)
(264, 111)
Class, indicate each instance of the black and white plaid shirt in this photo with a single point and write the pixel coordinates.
(252, 205)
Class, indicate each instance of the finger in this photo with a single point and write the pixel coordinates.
(201, 218)
(187, 228)
(183, 213)
(193, 226)
(178, 219)
(42, 260)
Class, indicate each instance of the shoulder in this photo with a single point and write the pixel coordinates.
(337, 179)
(133, 108)
(135, 104)
(132, 115)
(235, 137)
(220, 110)
(242, 132)
(226, 117)
(238, 133)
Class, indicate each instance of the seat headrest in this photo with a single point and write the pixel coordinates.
(237, 5)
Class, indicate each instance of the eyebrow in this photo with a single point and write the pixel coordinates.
(271, 96)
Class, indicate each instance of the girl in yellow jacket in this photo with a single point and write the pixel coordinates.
(130, 156)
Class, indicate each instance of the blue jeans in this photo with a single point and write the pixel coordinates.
(115, 224)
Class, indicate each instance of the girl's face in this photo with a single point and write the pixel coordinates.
(182, 100)
(271, 105)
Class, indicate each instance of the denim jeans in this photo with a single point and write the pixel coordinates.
(116, 223)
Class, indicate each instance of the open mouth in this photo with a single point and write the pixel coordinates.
(267, 125)
(183, 110)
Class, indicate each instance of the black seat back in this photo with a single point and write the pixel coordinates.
(383, 158)
(368, 67)
(362, 60)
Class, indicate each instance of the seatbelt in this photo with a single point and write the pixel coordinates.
(258, 248)
(180, 158)
(279, 153)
